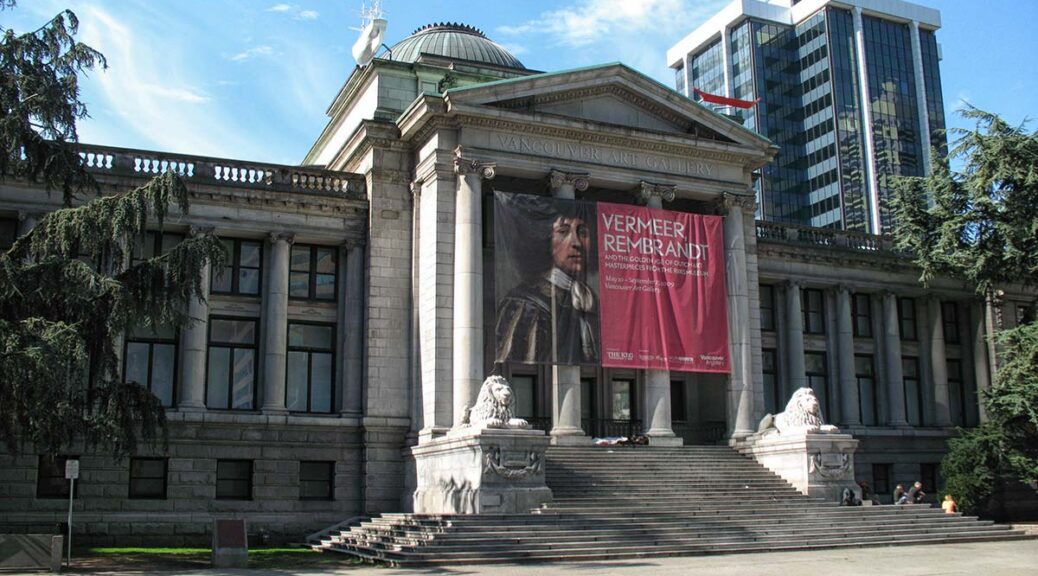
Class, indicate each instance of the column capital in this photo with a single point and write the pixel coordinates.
(463, 166)
(647, 191)
(729, 200)
(558, 179)
(843, 288)
(416, 189)
(276, 237)
(195, 230)
(793, 283)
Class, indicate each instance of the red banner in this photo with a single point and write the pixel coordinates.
(662, 289)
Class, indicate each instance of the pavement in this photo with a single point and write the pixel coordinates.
(1017, 558)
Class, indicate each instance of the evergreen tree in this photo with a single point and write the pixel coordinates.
(981, 225)
(68, 291)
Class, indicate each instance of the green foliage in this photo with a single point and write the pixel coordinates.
(39, 103)
(981, 225)
(68, 291)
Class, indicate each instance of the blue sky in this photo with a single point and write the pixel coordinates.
(252, 79)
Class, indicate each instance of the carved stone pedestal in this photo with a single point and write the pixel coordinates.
(816, 464)
(481, 471)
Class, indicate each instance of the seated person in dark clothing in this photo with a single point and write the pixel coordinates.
(900, 496)
(916, 494)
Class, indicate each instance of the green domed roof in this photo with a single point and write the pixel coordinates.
(452, 40)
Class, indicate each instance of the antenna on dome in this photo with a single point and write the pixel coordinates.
(370, 38)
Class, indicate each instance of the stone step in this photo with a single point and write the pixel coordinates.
(597, 554)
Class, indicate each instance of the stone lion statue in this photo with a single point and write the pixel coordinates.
(802, 414)
(493, 407)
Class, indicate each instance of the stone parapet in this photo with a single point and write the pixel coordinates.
(472, 471)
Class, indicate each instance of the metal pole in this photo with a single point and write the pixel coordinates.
(71, 492)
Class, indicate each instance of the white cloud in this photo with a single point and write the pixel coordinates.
(637, 33)
(514, 49)
(263, 50)
(279, 8)
(296, 12)
(306, 15)
(173, 93)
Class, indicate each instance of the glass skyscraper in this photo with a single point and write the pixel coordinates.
(849, 90)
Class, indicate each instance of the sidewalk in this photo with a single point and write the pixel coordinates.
(1018, 558)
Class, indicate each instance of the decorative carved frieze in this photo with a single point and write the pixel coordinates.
(463, 166)
(647, 191)
(511, 468)
(560, 178)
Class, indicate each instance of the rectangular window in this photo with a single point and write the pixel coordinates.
(313, 272)
(813, 302)
(241, 272)
(622, 399)
(154, 244)
(524, 392)
(231, 376)
(881, 478)
(906, 317)
(587, 397)
(864, 373)
(50, 477)
(772, 393)
(818, 378)
(234, 479)
(311, 367)
(950, 319)
(767, 308)
(677, 401)
(150, 359)
(913, 391)
(316, 480)
(861, 307)
(148, 478)
(8, 233)
(929, 474)
(956, 393)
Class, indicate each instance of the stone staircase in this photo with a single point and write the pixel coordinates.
(638, 502)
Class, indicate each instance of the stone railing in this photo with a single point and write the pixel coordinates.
(202, 170)
(858, 241)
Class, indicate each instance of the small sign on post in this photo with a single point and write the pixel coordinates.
(72, 474)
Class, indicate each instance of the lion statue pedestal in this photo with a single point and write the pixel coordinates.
(492, 464)
(814, 457)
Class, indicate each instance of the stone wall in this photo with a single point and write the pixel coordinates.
(104, 514)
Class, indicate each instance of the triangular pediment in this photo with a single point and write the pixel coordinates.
(613, 96)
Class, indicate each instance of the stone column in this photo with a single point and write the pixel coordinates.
(981, 367)
(565, 404)
(194, 343)
(795, 337)
(939, 364)
(845, 352)
(875, 223)
(657, 410)
(892, 355)
(352, 317)
(276, 319)
(920, 98)
(740, 392)
(468, 281)
(27, 221)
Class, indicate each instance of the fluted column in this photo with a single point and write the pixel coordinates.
(894, 370)
(657, 410)
(565, 404)
(276, 320)
(468, 281)
(845, 351)
(981, 366)
(740, 391)
(352, 317)
(193, 345)
(795, 337)
(939, 364)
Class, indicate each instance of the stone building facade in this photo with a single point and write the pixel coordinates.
(352, 323)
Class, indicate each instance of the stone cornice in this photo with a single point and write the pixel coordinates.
(832, 256)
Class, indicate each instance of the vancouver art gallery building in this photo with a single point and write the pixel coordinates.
(358, 312)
